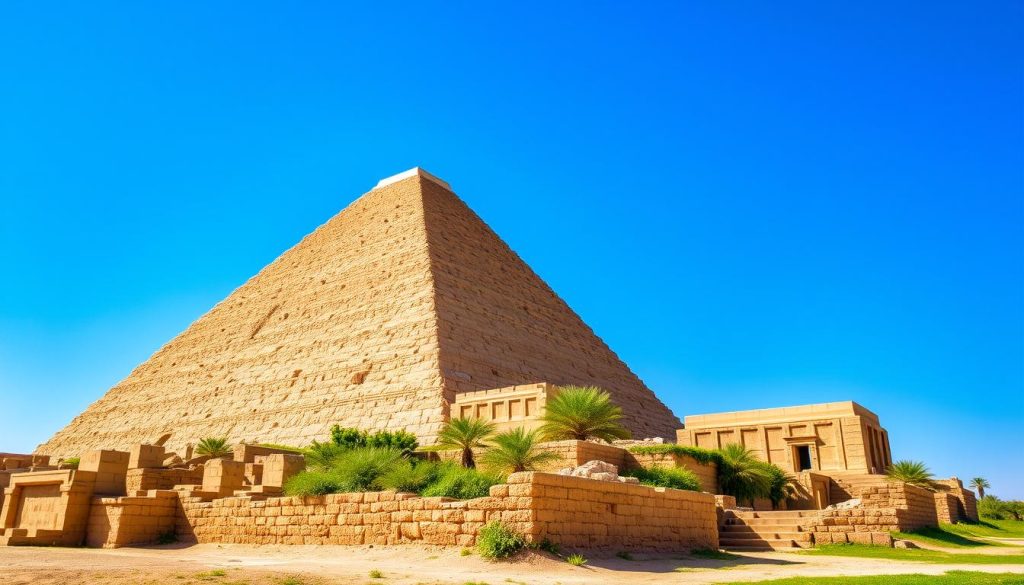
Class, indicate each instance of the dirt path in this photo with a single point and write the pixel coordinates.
(211, 564)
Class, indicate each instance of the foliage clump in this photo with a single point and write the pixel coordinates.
(465, 434)
(498, 541)
(701, 455)
(581, 413)
(516, 450)
(214, 447)
(671, 477)
(352, 438)
(912, 472)
(454, 481)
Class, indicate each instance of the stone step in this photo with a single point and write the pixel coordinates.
(770, 514)
(795, 536)
(761, 543)
(765, 521)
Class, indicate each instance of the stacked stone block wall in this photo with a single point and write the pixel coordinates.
(124, 521)
(572, 511)
(947, 507)
(142, 480)
(110, 467)
(707, 473)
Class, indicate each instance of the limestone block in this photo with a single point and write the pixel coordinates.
(223, 476)
(146, 456)
(110, 467)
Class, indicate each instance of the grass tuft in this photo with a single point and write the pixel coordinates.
(576, 560)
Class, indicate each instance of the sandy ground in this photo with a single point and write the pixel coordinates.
(408, 565)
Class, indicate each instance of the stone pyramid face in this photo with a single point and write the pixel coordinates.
(375, 320)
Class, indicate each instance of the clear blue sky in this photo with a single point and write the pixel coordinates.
(754, 204)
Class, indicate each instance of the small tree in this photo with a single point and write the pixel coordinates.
(516, 450)
(465, 434)
(980, 484)
(741, 474)
(214, 447)
(582, 413)
(912, 472)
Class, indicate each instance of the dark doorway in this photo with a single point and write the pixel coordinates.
(803, 455)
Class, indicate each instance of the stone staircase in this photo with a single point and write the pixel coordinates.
(752, 531)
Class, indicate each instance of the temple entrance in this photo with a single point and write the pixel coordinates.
(803, 457)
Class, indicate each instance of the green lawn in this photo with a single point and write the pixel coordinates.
(950, 578)
(994, 528)
(921, 555)
(945, 536)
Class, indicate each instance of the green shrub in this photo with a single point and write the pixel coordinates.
(408, 476)
(996, 509)
(401, 441)
(547, 546)
(376, 574)
(352, 438)
(670, 477)
(313, 482)
(288, 448)
(498, 541)
(323, 455)
(454, 481)
(71, 462)
(348, 437)
(359, 469)
(705, 456)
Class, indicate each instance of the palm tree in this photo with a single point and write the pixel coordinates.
(466, 434)
(912, 472)
(980, 484)
(780, 484)
(214, 447)
(516, 450)
(741, 474)
(581, 413)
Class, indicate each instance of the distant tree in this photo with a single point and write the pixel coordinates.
(214, 447)
(980, 484)
(912, 472)
(581, 413)
(516, 450)
(465, 434)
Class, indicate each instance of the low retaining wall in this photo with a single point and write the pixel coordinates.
(571, 511)
(143, 480)
(889, 506)
(124, 521)
(707, 473)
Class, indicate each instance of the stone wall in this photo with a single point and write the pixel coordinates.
(124, 521)
(947, 507)
(142, 480)
(572, 511)
(887, 506)
(707, 473)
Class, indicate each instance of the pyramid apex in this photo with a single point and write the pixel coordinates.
(413, 172)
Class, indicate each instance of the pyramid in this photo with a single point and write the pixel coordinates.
(377, 320)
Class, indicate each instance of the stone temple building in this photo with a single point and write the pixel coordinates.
(380, 318)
